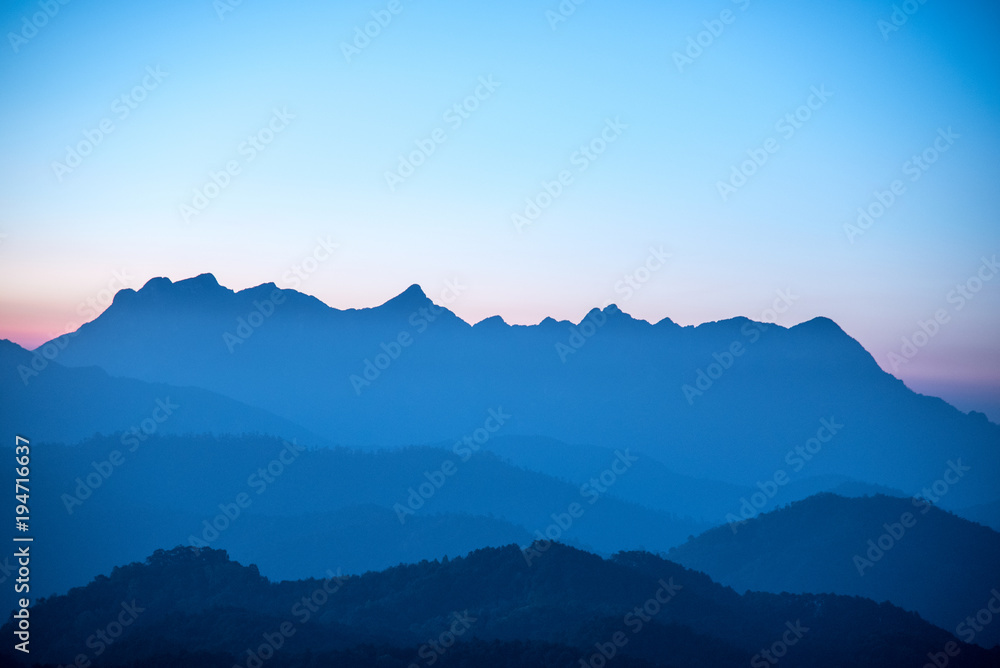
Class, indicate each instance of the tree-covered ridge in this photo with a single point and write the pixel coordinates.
(565, 606)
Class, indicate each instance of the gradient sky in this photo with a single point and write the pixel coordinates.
(114, 221)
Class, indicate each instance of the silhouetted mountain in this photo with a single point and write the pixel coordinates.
(566, 608)
(904, 551)
(609, 434)
(411, 372)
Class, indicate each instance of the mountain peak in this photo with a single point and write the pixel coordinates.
(411, 297)
(157, 283)
(206, 280)
(616, 315)
(821, 323)
(413, 292)
(494, 322)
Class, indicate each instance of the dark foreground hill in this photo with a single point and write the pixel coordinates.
(492, 608)
(887, 549)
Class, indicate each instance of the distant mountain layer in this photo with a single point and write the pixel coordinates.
(733, 400)
(109, 500)
(887, 549)
(67, 404)
(491, 608)
(654, 485)
(48, 402)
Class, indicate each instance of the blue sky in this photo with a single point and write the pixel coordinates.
(116, 219)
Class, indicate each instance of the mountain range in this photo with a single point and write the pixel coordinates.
(779, 461)
(805, 400)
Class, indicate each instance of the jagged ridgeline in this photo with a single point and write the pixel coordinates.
(309, 440)
(733, 400)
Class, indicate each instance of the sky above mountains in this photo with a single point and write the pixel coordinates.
(527, 159)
